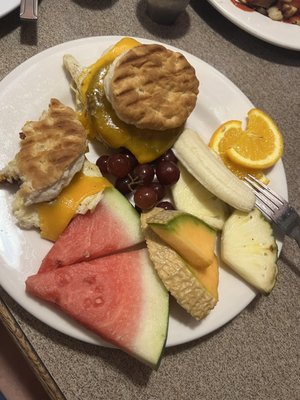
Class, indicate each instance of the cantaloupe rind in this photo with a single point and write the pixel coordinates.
(176, 274)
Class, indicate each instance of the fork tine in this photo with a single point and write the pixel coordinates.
(261, 196)
(269, 213)
(261, 199)
(275, 208)
(267, 192)
(263, 204)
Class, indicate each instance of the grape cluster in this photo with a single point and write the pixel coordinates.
(147, 182)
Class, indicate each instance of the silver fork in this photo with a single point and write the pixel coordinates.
(275, 208)
(29, 10)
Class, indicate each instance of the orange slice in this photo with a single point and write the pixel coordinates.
(223, 139)
(260, 145)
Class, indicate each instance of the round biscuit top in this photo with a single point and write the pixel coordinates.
(50, 148)
(152, 87)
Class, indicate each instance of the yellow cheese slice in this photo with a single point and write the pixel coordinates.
(90, 72)
(119, 48)
(55, 216)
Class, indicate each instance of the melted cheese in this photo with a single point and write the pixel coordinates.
(101, 121)
(90, 72)
(119, 48)
(55, 216)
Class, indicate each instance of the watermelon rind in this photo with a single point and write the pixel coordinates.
(125, 212)
(81, 241)
(151, 340)
(119, 297)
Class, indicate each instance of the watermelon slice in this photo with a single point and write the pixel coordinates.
(112, 227)
(119, 297)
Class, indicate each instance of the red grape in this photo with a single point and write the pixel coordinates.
(102, 163)
(168, 156)
(159, 189)
(132, 177)
(167, 172)
(145, 197)
(143, 173)
(123, 185)
(166, 205)
(118, 165)
(133, 161)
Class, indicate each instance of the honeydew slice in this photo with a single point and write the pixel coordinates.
(192, 197)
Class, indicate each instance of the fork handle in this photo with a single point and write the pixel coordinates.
(29, 10)
(295, 231)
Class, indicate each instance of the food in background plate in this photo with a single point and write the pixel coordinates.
(56, 180)
(153, 89)
(119, 297)
(277, 10)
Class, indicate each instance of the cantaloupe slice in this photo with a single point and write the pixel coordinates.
(209, 277)
(188, 235)
(194, 289)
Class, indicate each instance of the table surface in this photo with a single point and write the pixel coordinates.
(255, 356)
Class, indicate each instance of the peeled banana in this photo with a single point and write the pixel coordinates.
(209, 170)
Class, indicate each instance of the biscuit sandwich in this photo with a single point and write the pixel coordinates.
(137, 96)
(49, 169)
(152, 87)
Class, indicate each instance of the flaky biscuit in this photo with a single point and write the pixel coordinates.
(52, 151)
(152, 87)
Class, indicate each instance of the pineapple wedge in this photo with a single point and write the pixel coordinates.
(248, 247)
(192, 197)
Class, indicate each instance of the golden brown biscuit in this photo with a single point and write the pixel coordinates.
(52, 151)
(152, 87)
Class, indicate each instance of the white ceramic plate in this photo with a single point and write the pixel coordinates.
(6, 6)
(24, 94)
(278, 33)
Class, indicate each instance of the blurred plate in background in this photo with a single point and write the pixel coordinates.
(6, 6)
(275, 32)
